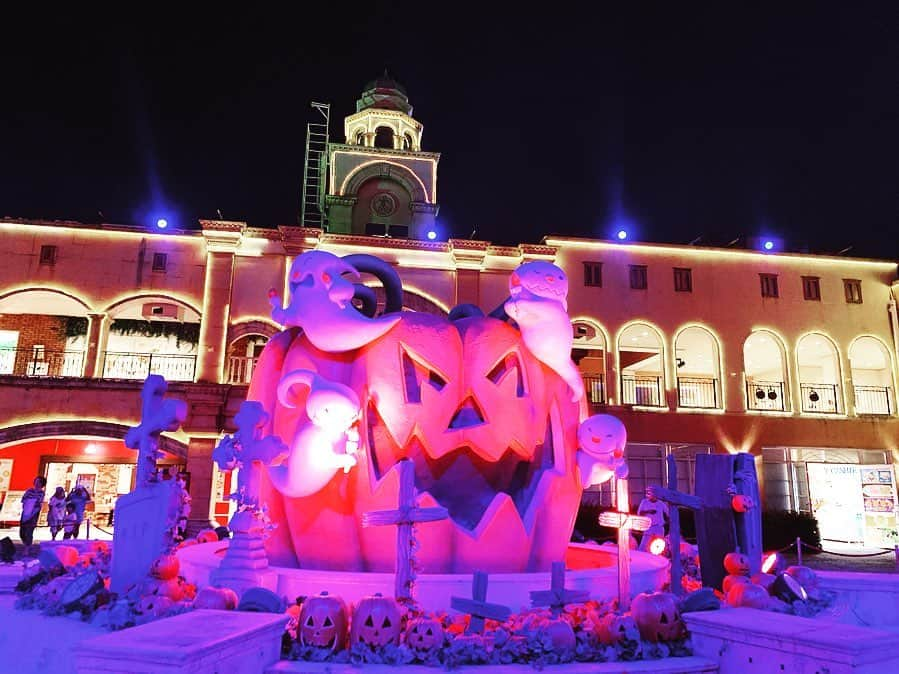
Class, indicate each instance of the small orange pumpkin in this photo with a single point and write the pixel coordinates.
(731, 580)
(323, 622)
(747, 595)
(216, 598)
(424, 635)
(165, 567)
(657, 616)
(376, 622)
(736, 563)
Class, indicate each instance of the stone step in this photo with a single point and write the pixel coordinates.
(690, 665)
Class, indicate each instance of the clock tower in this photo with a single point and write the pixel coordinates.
(380, 181)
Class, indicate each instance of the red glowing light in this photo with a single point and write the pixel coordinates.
(769, 563)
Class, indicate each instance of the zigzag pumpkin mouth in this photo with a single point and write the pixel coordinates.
(463, 481)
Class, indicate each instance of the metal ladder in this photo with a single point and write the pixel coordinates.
(315, 170)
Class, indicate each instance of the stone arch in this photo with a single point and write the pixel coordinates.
(413, 301)
(238, 330)
(385, 169)
(153, 296)
(95, 429)
(63, 296)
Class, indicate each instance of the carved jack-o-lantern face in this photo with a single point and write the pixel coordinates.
(376, 622)
(323, 622)
(559, 635)
(657, 616)
(736, 563)
(612, 629)
(424, 634)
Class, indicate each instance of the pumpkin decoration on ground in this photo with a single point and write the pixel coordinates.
(736, 564)
(731, 580)
(165, 567)
(611, 628)
(66, 554)
(657, 616)
(322, 622)
(490, 427)
(207, 536)
(376, 622)
(558, 635)
(154, 606)
(98, 547)
(216, 598)
(747, 595)
(424, 635)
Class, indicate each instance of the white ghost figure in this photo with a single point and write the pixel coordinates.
(321, 304)
(538, 304)
(324, 444)
(601, 439)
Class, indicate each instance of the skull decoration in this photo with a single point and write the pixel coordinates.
(612, 629)
(736, 563)
(376, 622)
(490, 428)
(323, 622)
(657, 616)
(424, 635)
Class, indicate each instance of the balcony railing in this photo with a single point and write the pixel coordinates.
(139, 365)
(698, 392)
(240, 369)
(641, 390)
(873, 400)
(767, 396)
(820, 398)
(41, 363)
(595, 388)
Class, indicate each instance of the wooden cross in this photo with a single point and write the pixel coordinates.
(557, 596)
(624, 521)
(477, 607)
(248, 449)
(676, 500)
(404, 517)
(158, 414)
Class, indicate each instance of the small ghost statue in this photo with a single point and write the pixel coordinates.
(601, 439)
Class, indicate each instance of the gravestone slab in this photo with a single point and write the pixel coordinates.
(213, 642)
(144, 522)
(749, 640)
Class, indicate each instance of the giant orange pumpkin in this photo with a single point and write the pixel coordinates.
(490, 429)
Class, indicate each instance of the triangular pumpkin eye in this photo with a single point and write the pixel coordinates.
(506, 366)
(369, 622)
(310, 622)
(328, 622)
(430, 632)
(414, 375)
(663, 619)
(386, 623)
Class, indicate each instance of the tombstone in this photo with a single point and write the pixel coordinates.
(146, 519)
(719, 529)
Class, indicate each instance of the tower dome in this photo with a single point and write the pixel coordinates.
(384, 93)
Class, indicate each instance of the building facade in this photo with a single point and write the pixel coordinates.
(791, 357)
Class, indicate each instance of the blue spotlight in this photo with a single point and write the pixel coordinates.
(622, 234)
(162, 223)
(768, 245)
(432, 235)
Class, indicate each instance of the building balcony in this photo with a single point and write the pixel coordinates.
(765, 396)
(140, 365)
(697, 392)
(595, 388)
(240, 369)
(873, 400)
(37, 362)
(642, 390)
(820, 398)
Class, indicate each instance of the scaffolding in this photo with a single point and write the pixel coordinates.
(315, 169)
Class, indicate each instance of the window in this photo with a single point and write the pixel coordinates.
(159, 261)
(638, 277)
(384, 137)
(593, 274)
(48, 255)
(811, 288)
(853, 289)
(683, 280)
(769, 285)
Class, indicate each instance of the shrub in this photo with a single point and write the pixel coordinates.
(780, 528)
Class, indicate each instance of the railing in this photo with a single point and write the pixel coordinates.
(41, 363)
(819, 398)
(697, 392)
(595, 388)
(641, 390)
(139, 365)
(767, 396)
(240, 369)
(873, 400)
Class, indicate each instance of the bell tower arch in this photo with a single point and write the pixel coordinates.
(381, 183)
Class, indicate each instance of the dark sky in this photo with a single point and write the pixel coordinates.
(777, 118)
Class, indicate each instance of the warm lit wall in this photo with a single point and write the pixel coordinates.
(49, 331)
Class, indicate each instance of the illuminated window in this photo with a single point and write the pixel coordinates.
(811, 288)
(159, 261)
(769, 285)
(638, 277)
(853, 289)
(593, 274)
(48, 255)
(360, 138)
(407, 142)
(683, 280)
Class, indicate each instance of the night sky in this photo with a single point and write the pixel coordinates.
(775, 119)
